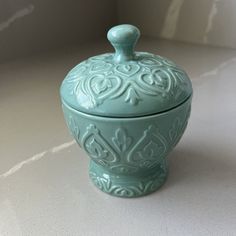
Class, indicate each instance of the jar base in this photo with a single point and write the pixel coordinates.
(128, 186)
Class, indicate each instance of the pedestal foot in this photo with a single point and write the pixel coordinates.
(127, 186)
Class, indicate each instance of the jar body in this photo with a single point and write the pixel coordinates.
(128, 155)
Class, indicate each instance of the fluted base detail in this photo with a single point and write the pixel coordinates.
(128, 186)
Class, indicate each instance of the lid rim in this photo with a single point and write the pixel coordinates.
(127, 117)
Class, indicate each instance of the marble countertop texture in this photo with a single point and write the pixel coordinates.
(44, 184)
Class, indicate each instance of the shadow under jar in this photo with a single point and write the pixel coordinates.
(127, 110)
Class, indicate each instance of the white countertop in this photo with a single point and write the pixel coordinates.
(44, 185)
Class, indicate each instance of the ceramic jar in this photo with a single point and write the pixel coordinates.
(127, 110)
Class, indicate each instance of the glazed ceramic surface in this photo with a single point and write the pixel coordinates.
(126, 83)
(127, 110)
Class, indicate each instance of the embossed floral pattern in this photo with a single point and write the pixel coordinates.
(124, 156)
(124, 153)
(100, 78)
(150, 148)
(97, 147)
(121, 140)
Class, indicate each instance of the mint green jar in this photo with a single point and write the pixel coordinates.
(127, 110)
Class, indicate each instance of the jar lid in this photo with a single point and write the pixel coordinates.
(125, 83)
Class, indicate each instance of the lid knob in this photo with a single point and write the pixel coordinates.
(123, 38)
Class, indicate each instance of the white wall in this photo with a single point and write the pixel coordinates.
(32, 26)
(199, 21)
